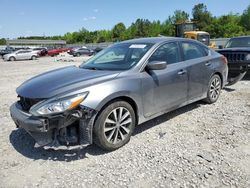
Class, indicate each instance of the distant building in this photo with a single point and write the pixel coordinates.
(29, 42)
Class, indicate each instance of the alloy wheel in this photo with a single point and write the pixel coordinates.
(215, 88)
(117, 125)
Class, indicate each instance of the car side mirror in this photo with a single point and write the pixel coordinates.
(220, 47)
(156, 65)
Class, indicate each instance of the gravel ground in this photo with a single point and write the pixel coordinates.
(196, 146)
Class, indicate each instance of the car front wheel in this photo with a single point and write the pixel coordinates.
(114, 125)
(12, 58)
(214, 89)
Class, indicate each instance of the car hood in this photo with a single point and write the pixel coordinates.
(234, 49)
(9, 54)
(62, 80)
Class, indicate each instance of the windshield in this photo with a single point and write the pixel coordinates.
(121, 56)
(204, 39)
(238, 42)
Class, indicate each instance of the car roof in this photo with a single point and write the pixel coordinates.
(156, 40)
(241, 37)
(28, 50)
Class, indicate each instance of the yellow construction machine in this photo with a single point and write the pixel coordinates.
(189, 30)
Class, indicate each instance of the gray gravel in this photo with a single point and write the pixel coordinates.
(196, 146)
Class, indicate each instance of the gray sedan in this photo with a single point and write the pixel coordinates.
(21, 55)
(122, 86)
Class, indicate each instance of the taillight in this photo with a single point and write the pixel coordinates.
(224, 59)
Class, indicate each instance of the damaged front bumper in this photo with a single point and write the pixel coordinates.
(67, 130)
(236, 71)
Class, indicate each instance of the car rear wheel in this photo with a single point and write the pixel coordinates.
(12, 58)
(214, 89)
(33, 57)
(78, 54)
(114, 125)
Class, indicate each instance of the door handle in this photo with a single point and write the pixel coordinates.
(181, 72)
(208, 64)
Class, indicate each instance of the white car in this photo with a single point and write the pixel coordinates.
(21, 55)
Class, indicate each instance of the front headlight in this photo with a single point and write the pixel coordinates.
(59, 105)
(247, 57)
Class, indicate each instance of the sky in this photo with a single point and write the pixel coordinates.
(57, 17)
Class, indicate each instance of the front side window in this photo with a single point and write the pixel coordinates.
(118, 57)
(204, 38)
(167, 52)
(192, 51)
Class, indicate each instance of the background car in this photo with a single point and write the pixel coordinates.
(98, 49)
(7, 50)
(237, 52)
(42, 51)
(21, 55)
(57, 51)
(81, 51)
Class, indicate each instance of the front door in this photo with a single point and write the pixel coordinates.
(164, 89)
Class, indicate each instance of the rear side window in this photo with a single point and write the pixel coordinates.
(167, 52)
(192, 51)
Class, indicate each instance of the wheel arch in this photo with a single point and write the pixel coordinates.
(125, 98)
(221, 77)
(12, 57)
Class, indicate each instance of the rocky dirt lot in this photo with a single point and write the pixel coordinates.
(196, 146)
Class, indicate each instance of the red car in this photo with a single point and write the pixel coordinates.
(57, 51)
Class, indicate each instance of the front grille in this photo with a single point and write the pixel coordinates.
(27, 103)
(234, 56)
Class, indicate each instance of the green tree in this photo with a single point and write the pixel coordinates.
(155, 29)
(140, 28)
(2, 41)
(179, 17)
(226, 26)
(167, 28)
(245, 19)
(118, 31)
(201, 16)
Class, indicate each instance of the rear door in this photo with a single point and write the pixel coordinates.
(27, 54)
(167, 88)
(199, 68)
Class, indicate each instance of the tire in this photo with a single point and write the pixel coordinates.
(214, 89)
(12, 58)
(78, 54)
(114, 131)
(33, 57)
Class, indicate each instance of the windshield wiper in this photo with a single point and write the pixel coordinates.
(91, 68)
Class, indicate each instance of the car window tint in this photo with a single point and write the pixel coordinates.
(167, 52)
(192, 51)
